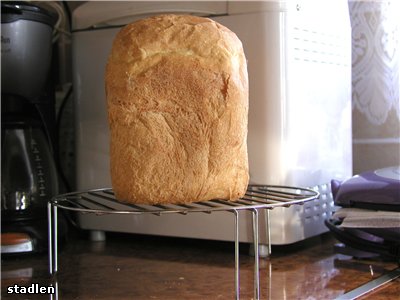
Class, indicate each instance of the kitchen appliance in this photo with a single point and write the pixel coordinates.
(299, 63)
(379, 189)
(368, 217)
(28, 171)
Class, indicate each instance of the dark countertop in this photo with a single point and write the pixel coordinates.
(145, 267)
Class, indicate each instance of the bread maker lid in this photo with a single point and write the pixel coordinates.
(102, 14)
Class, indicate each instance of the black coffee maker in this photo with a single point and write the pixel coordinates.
(28, 171)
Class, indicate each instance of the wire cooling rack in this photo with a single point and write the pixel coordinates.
(103, 201)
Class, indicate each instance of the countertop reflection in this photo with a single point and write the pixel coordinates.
(147, 267)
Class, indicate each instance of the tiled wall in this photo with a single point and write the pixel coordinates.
(376, 104)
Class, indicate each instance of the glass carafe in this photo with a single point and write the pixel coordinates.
(28, 172)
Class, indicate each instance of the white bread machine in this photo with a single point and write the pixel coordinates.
(299, 63)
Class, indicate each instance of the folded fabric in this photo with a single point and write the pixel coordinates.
(365, 218)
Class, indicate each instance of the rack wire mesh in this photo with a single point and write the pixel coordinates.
(103, 201)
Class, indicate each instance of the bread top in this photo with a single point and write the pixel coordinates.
(141, 45)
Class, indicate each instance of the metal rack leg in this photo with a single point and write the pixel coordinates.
(52, 219)
(237, 283)
(50, 236)
(55, 239)
(256, 255)
(268, 219)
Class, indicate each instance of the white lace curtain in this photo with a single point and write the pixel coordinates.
(376, 58)
(375, 91)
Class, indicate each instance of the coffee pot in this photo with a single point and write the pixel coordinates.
(28, 171)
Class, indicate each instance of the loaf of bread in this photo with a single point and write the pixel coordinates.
(177, 96)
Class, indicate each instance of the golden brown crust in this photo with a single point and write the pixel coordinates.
(177, 94)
